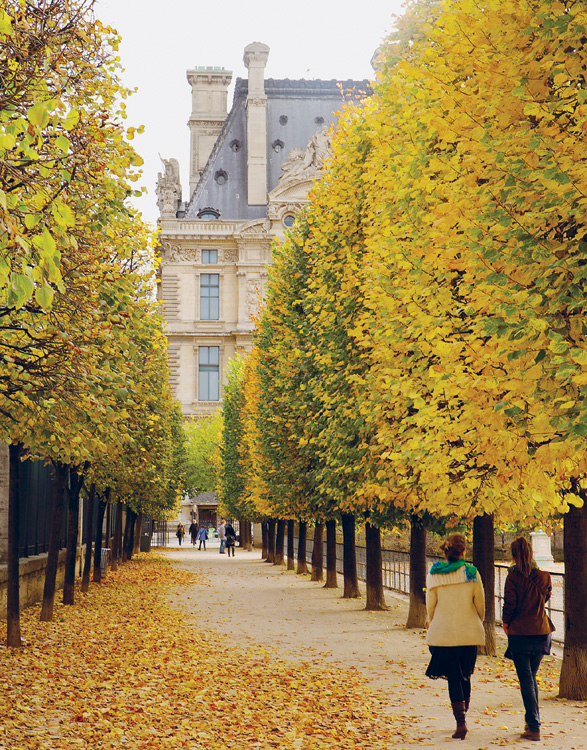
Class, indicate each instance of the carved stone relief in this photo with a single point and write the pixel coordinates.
(276, 211)
(256, 101)
(255, 228)
(176, 254)
(230, 255)
(253, 296)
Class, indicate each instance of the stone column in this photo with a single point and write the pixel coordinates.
(255, 59)
(541, 547)
(4, 479)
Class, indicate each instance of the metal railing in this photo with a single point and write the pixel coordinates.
(396, 577)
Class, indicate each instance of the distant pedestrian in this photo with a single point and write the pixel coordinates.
(230, 538)
(202, 536)
(180, 533)
(194, 532)
(527, 626)
(455, 602)
(222, 536)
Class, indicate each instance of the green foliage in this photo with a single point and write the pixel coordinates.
(202, 441)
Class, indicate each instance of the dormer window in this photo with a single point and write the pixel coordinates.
(277, 146)
(208, 213)
(289, 220)
(221, 177)
(235, 145)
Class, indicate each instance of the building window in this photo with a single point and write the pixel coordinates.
(277, 146)
(208, 213)
(221, 177)
(319, 120)
(235, 145)
(289, 220)
(210, 256)
(283, 120)
(209, 373)
(209, 296)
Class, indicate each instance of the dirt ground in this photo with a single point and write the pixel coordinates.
(255, 603)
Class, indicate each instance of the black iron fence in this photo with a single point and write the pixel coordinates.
(396, 577)
(36, 508)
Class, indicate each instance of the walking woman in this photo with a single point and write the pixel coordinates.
(455, 603)
(527, 627)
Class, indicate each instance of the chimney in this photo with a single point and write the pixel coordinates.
(209, 110)
(255, 59)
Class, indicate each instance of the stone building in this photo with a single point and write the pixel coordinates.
(250, 172)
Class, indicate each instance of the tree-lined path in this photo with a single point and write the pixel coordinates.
(257, 604)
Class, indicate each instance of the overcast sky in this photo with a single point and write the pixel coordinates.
(161, 40)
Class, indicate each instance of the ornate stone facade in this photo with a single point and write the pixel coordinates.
(215, 249)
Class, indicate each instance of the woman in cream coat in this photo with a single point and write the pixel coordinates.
(455, 603)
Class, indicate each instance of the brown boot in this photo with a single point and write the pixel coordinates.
(458, 709)
(530, 734)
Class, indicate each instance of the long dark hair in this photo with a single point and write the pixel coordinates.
(522, 554)
(453, 547)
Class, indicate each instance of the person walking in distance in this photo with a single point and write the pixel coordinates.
(180, 533)
(527, 626)
(202, 536)
(222, 535)
(455, 603)
(194, 532)
(230, 538)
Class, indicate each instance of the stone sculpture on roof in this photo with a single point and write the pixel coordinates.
(168, 188)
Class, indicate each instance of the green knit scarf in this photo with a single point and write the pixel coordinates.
(448, 567)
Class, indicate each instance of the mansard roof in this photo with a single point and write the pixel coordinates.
(296, 109)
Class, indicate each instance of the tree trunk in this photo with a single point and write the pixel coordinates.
(76, 481)
(271, 541)
(88, 526)
(417, 611)
(573, 678)
(291, 565)
(137, 535)
(13, 637)
(115, 555)
(249, 547)
(265, 540)
(318, 553)
(108, 526)
(279, 542)
(484, 561)
(61, 472)
(375, 595)
(302, 564)
(129, 539)
(98, 540)
(127, 533)
(331, 576)
(349, 562)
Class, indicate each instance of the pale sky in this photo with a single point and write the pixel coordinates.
(161, 40)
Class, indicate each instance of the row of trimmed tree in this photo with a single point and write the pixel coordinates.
(422, 353)
(83, 363)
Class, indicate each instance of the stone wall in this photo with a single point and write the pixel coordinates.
(32, 579)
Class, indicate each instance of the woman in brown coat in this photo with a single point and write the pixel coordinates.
(527, 627)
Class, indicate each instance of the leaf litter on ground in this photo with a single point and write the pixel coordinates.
(121, 669)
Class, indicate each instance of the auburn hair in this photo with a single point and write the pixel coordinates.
(522, 554)
(453, 547)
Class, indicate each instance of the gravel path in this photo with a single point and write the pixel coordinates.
(255, 603)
